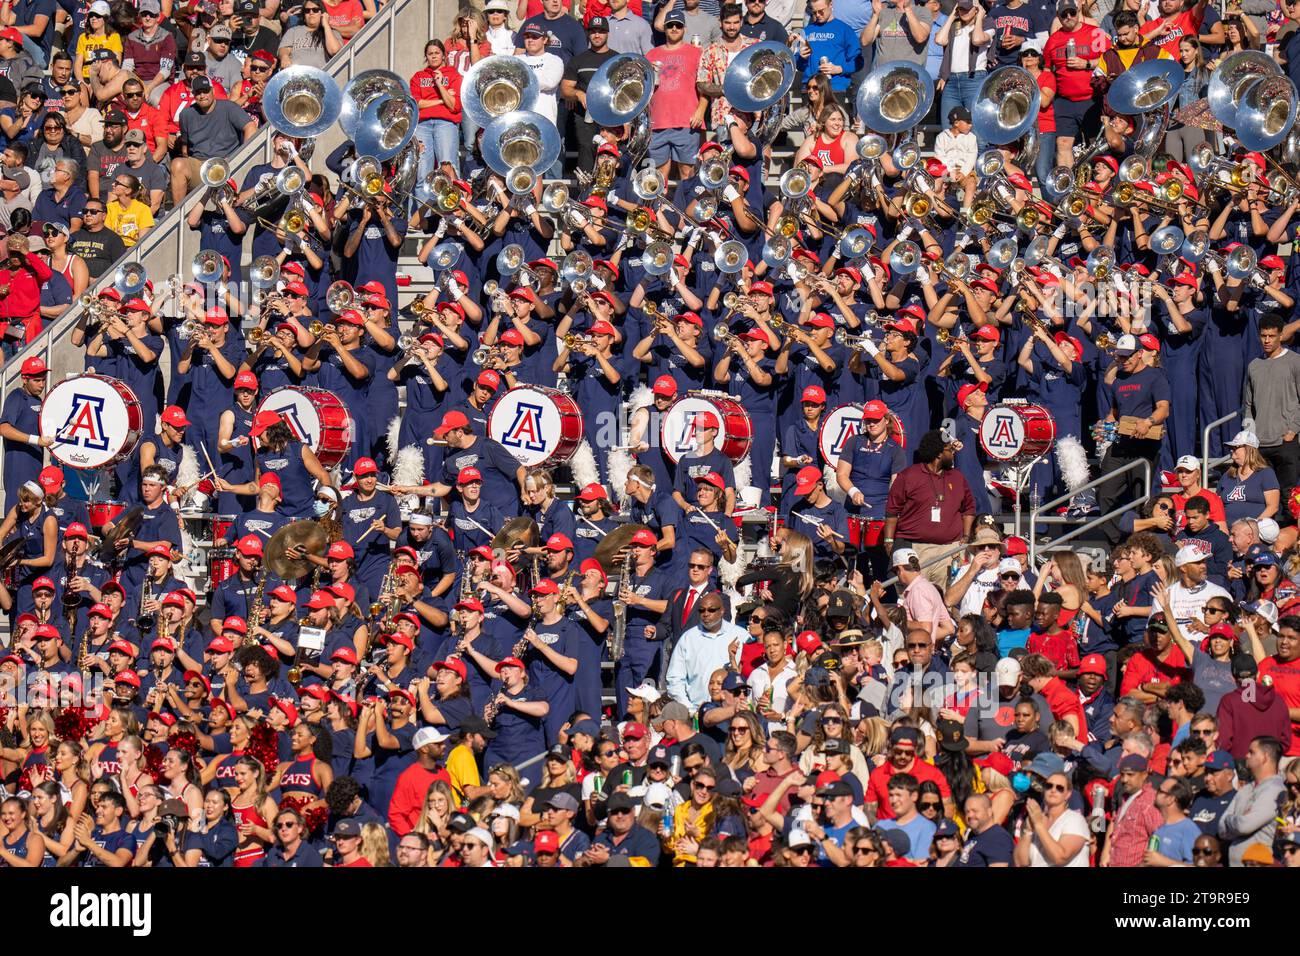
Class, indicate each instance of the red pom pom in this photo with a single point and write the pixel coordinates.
(72, 724)
(263, 745)
(184, 740)
(153, 758)
(313, 817)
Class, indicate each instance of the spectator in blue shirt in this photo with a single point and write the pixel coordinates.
(622, 837)
(1171, 844)
(829, 46)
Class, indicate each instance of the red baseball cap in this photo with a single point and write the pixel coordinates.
(966, 391)
(634, 729)
(455, 666)
(347, 655)
(820, 320)
(989, 333)
(34, 365)
(646, 538)
(1093, 664)
(1014, 545)
(467, 475)
(320, 601)
(665, 385)
(706, 420)
(50, 478)
(545, 586)
(246, 380)
(813, 394)
(807, 478)
(760, 287)
(127, 677)
(77, 530)
(285, 593)
(875, 410)
(592, 492)
(235, 623)
(263, 421)
(712, 478)
(808, 641)
(250, 545)
(488, 378)
(365, 466)
(450, 421)
(220, 645)
(340, 551)
(510, 662)
(559, 542)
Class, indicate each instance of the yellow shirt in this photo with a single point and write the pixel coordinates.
(129, 223)
(463, 770)
(87, 43)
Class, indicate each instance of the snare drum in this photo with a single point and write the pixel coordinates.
(317, 418)
(94, 420)
(865, 532)
(1017, 432)
(677, 427)
(103, 513)
(221, 560)
(538, 425)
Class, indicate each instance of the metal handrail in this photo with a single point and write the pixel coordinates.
(1206, 464)
(941, 556)
(164, 248)
(1034, 518)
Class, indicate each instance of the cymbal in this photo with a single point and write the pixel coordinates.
(517, 532)
(307, 535)
(612, 544)
(11, 552)
(124, 527)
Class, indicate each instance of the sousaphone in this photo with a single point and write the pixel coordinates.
(1007, 107)
(620, 90)
(301, 101)
(497, 85)
(894, 97)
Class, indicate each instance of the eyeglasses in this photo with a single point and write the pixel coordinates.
(260, 68)
(740, 730)
(989, 547)
(903, 751)
(1216, 610)
(831, 719)
(865, 850)
(52, 128)
(706, 787)
(132, 95)
(1204, 732)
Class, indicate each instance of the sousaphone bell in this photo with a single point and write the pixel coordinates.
(1266, 113)
(1233, 79)
(758, 77)
(520, 138)
(386, 127)
(620, 90)
(894, 97)
(364, 88)
(495, 86)
(1007, 106)
(302, 101)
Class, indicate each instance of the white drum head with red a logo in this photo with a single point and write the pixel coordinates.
(1017, 433)
(536, 425)
(837, 429)
(316, 417)
(93, 420)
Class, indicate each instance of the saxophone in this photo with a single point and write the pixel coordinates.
(257, 613)
(333, 529)
(618, 633)
(83, 652)
(146, 597)
(521, 645)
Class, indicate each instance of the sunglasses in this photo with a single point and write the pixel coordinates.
(710, 610)
(133, 96)
(918, 647)
(1055, 787)
(1203, 852)
(706, 787)
(865, 850)
(700, 567)
(287, 825)
(832, 720)
(928, 805)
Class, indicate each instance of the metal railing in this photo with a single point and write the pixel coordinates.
(957, 548)
(1036, 515)
(394, 40)
(1206, 464)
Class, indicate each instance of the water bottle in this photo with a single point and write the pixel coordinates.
(1070, 48)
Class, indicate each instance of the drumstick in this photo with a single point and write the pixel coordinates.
(819, 522)
(211, 467)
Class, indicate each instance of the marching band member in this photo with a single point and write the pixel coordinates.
(800, 443)
(755, 385)
(702, 529)
(165, 448)
(644, 592)
(238, 594)
(819, 516)
(291, 461)
(24, 447)
(234, 447)
(38, 529)
(705, 460)
(593, 520)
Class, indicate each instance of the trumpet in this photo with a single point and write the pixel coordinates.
(573, 340)
(256, 336)
(485, 354)
(318, 328)
(855, 343)
(724, 336)
(950, 341)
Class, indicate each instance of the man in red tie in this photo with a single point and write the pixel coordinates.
(682, 615)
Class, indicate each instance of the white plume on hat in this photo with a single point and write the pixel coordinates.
(1073, 462)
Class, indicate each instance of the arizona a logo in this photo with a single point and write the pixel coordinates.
(84, 426)
(525, 432)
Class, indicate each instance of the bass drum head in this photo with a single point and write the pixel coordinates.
(93, 420)
(536, 425)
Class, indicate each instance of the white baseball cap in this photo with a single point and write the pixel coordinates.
(1243, 437)
(1268, 530)
(1189, 554)
(647, 690)
(1188, 463)
(478, 833)
(905, 556)
(798, 837)
(1008, 565)
(657, 796)
(1126, 345)
(1007, 672)
(428, 735)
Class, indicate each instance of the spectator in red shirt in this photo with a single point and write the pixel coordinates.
(1157, 666)
(903, 745)
(1178, 19)
(1063, 702)
(20, 293)
(413, 784)
(1282, 670)
(436, 91)
(140, 115)
(1051, 640)
(1136, 817)
(1072, 53)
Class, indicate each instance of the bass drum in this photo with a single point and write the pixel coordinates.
(94, 421)
(538, 425)
(1016, 433)
(316, 417)
(842, 423)
(678, 425)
